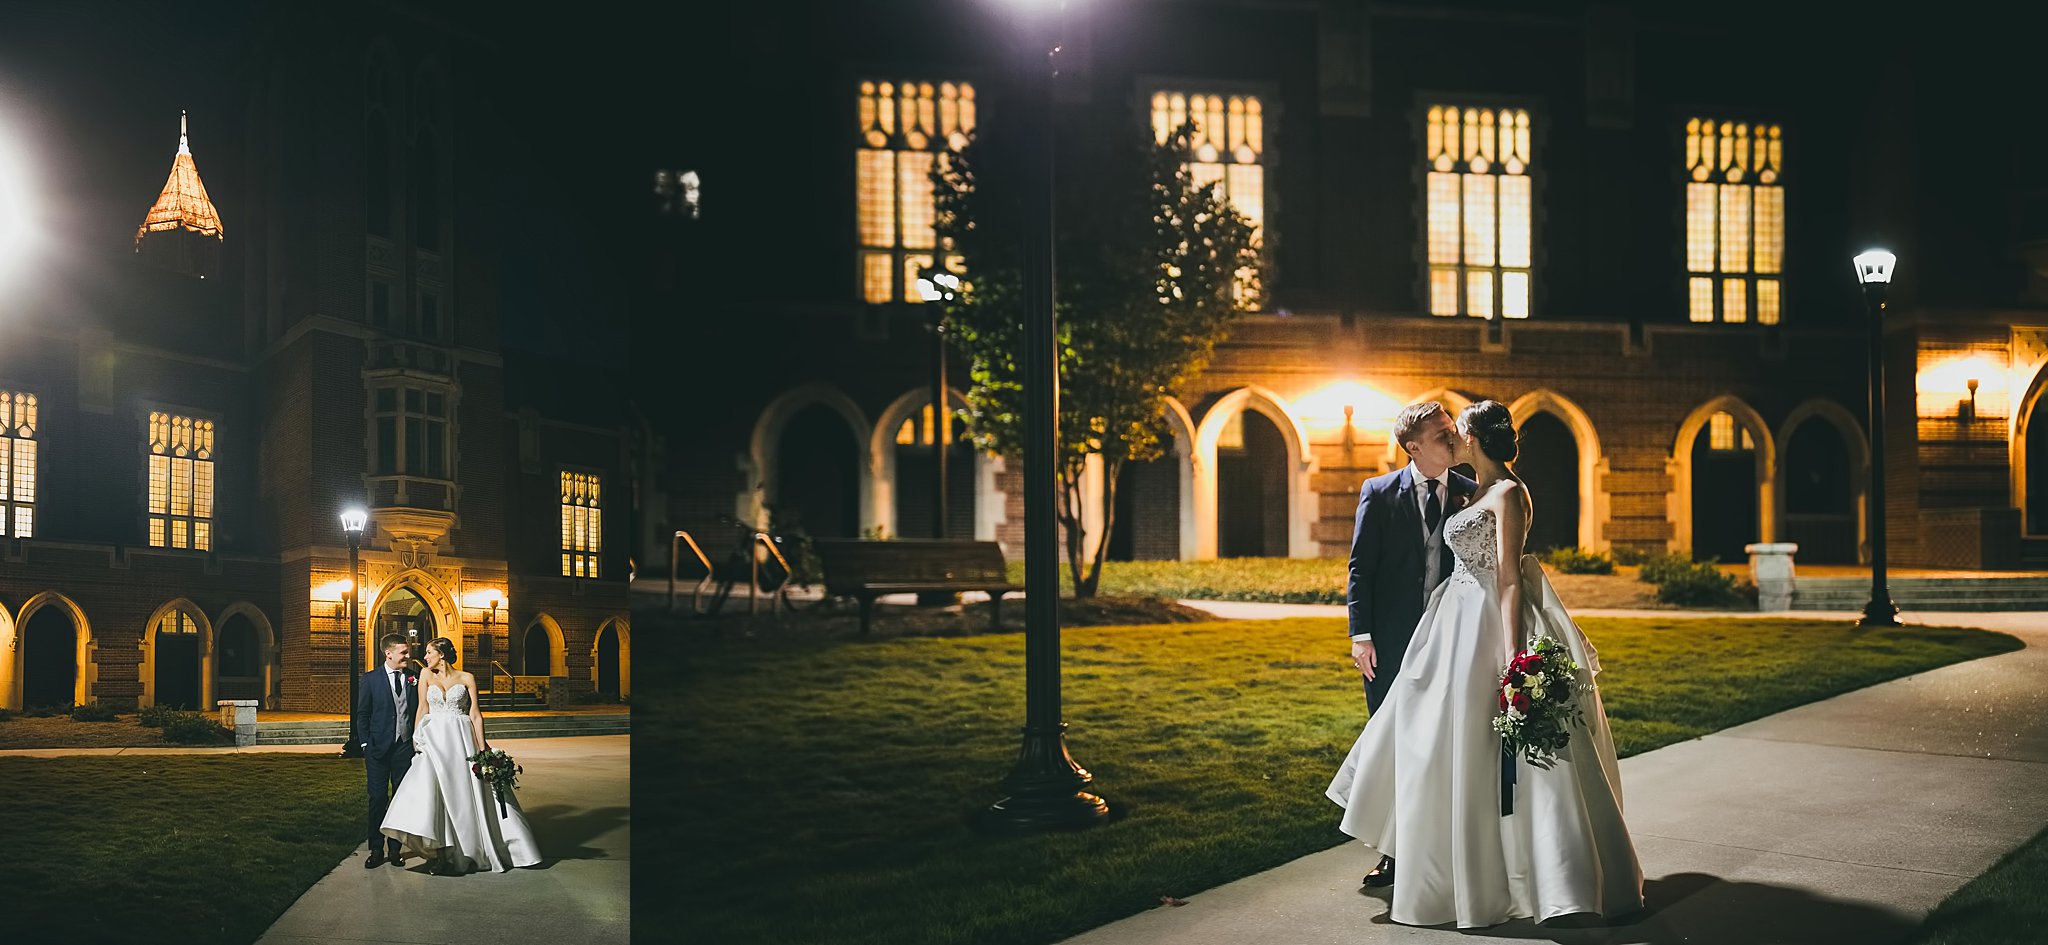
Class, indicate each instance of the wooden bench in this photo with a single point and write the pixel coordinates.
(866, 570)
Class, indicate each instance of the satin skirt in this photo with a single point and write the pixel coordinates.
(441, 809)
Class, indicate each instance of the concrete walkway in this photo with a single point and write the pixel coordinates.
(1841, 821)
(576, 797)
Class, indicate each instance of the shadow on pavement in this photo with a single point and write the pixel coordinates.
(564, 832)
(1694, 908)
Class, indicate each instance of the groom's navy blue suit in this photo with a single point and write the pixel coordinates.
(384, 726)
(1389, 566)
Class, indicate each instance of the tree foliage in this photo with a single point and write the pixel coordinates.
(1149, 267)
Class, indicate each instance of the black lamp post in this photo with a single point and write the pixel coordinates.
(936, 285)
(1874, 270)
(352, 522)
(1045, 786)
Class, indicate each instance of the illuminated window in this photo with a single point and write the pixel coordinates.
(411, 432)
(1734, 221)
(923, 429)
(180, 482)
(1228, 149)
(581, 538)
(1722, 434)
(17, 464)
(1480, 207)
(906, 129)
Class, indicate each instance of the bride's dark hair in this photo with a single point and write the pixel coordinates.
(1493, 426)
(446, 646)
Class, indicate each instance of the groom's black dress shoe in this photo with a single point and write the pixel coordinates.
(1383, 874)
(376, 859)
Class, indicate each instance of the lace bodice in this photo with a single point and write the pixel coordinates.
(454, 700)
(1474, 541)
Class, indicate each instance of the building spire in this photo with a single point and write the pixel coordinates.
(183, 203)
(184, 144)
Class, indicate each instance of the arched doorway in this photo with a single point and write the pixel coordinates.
(50, 667)
(915, 468)
(536, 652)
(175, 645)
(404, 612)
(1725, 515)
(606, 665)
(1820, 497)
(2036, 459)
(1548, 461)
(240, 659)
(1251, 488)
(816, 482)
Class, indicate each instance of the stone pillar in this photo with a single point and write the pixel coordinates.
(239, 715)
(1770, 566)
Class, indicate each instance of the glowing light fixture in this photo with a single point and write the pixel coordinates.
(1874, 266)
(1347, 404)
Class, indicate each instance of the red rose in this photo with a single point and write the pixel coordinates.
(1503, 697)
(1521, 702)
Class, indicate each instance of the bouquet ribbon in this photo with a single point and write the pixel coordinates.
(1507, 782)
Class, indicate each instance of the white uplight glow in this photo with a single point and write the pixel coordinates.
(1369, 408)
(18, 225)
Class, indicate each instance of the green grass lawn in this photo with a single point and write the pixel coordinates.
(2001, 907)
(1282, 580)
(820, 789)
(169, 849)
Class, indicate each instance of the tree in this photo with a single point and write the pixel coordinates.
(1150, 267)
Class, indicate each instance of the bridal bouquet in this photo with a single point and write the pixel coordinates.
(497, 768)
(1539, 702)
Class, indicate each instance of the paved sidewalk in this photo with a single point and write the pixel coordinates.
(1841, 821)
(576, 796)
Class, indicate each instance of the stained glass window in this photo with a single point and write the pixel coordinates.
(17, 464)
(180, 482)
(581, 514)
(906, 128)
(1228, 150)
(1480, 211)
(1734, 221)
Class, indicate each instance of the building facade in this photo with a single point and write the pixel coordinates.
(1633, 226)
(187, 420)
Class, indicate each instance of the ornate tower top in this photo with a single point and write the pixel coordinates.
(183, 204)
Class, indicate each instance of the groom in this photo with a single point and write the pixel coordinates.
(1398, 555)
(384, 707)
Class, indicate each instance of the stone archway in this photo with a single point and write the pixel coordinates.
(54, 658)
(1297, 505)
(904, 469)
(231, 677)
(611, 659)
(1746, 477)
(1144, 488)
(414, 602)
(178, 658)
(543, 651)
(2030, 457)
(770, 436)
(1588, 507)
(1823, 483)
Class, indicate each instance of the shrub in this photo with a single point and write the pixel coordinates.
(1697, 585)
(6, 715)
(93, 712)
(1659, 569)
(192, 728)
(1630, 556)
(156, 716)
(1578, 561)
(46, 711)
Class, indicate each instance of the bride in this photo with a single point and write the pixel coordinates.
(1425, 782)
(441, 810)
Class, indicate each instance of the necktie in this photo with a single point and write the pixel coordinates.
(397, 686)
(1432, 508)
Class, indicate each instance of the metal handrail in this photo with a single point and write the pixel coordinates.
(496, 668)
(675, 555)
(764, 540)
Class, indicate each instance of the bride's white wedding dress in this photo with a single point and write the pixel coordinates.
(1423, 782)
(441, 805)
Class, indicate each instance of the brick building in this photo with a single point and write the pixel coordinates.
(326, 326)
(1633, 225)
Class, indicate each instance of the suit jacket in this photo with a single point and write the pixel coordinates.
(377, 721)
(1385, 595)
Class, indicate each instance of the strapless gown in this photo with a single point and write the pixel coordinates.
(443, 809)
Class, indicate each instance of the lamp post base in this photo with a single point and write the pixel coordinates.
(1880, 612)
(1045, 790)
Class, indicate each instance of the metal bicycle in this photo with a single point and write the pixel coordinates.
(775, 564)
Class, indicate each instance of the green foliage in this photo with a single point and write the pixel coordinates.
(46, 711)
(1629, 556)
(1578, 561)
(2002, 907)
(6, 715)
(791, 756)
(1658, 569)
(94, 712)
(157, 716)
(1688, 584)
(1147, 267)
(192, 728)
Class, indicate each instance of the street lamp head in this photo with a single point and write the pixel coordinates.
(1874, 267)
(353, 520)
